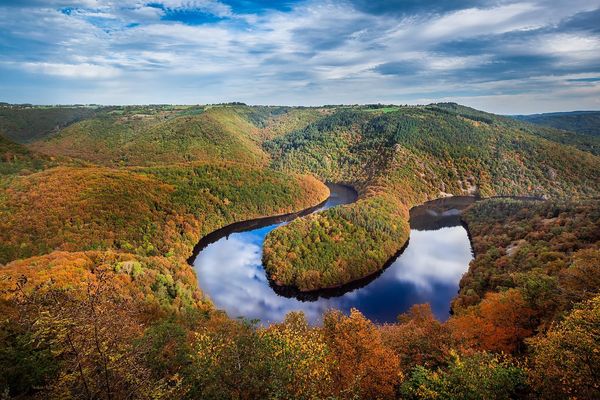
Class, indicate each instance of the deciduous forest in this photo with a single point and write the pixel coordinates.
(100, 207)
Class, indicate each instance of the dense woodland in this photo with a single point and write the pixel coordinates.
(24, 123)
(397, 159)
(585, 122)
(147, 211)
(100, 208)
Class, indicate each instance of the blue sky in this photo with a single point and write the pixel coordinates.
(497, 55)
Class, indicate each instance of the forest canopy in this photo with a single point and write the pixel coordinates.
(101, 206)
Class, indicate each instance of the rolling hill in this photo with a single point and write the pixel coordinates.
(578, 128)
(158, 136)
(396, 157)
(101, 207)
(584, 122)
(396, 160)
(24, 123)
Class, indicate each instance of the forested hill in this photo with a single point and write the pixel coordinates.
(16, 158)
(24, 122)
(100, 207)
(577, 129)
(586, 122)
(398, 157)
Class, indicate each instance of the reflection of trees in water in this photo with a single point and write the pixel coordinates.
(446, 212)
(440, 213)
(340, 194)
(432, 215)
(293, 292)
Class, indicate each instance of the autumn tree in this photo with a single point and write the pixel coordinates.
(480, 376)
(418, 338)
(566, 361)
(581, 280)
(362, 365)
(25, 366)
(229, 361)
(499, 323)
(90, 332)
(299, 358)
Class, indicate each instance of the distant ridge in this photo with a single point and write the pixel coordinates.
(584, 122)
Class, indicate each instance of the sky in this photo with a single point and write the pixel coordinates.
(502, 56)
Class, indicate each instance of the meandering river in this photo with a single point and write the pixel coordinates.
(428, 270)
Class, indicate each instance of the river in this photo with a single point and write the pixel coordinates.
(428, 270)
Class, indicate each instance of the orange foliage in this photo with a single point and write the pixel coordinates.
(157, 281)
(363, 366)
(146, 211)
(418, 338)
(581, 280)
(566, 362)
(499, 323)
(90, 330)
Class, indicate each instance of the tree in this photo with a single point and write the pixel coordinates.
(418, 338)
(90, 331)
(581, 280)
(480, 376)
(499, 323)
(566, 361)
(230, 361)
(299, 358)
(362, 365)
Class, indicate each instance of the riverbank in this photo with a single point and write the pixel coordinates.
(230, 271)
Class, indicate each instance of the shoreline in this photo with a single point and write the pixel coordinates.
(335, 290)
(259, 222)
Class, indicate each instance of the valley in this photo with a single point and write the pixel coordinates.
(299, 200)
(209, 233)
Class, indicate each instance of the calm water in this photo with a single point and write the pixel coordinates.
(427, 271)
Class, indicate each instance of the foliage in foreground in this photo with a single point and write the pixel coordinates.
(93, 341)
(154, 333)
(566, 361)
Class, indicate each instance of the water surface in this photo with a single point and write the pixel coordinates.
(429, 269)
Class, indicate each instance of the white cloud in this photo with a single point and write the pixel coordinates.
(571, 48)
(210, 6)
(72, 70)
(427, 261)
(230, 272)
(475, 21)
(438, 63)
(318, 52)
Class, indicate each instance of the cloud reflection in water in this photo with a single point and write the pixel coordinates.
(231, 273)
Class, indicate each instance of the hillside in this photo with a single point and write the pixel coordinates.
(153, 211)
(546, 249)
(584, 122)
(98, 218)
(579, 140)
(16, 158)
(578, 129)
(24, 123)
(397, 159)
(156, 136)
